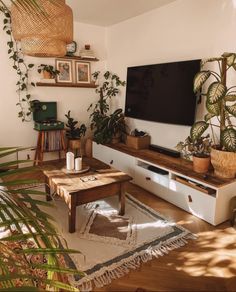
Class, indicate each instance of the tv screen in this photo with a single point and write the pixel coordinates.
(162, 93)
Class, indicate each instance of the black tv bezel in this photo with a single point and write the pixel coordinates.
(151, 120)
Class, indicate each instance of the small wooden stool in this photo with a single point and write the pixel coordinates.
(49, 141)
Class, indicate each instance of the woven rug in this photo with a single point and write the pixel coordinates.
(106, 254)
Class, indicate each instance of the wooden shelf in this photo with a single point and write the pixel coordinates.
(80, 58)
(176, 165)
(61, 84)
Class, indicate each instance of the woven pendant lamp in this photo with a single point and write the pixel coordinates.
(40, 35)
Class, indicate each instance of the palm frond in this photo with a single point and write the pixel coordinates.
(24, 225)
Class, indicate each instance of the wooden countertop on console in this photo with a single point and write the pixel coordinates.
(179, 165)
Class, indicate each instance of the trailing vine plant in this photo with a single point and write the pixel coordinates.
(19, 65)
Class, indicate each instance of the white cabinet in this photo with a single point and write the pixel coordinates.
(212, 207)
(114, 158)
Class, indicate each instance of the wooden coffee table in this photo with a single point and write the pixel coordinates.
(108, 182)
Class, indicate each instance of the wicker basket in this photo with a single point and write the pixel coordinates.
(40, 35)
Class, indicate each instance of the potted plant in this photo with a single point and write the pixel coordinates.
(106, 126)
(48, 71)
(199, 149)
(110, 128)
(221, 111)
(74, 133)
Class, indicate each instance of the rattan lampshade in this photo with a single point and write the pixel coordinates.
(42, 36)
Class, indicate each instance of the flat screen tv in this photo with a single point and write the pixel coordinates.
(162, 93)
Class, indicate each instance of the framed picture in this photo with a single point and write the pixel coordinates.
(64, 66)
(82, 70)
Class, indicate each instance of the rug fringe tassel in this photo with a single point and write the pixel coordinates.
(133, 262)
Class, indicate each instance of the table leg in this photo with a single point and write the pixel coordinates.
(72, 215)
(122, 199)
(47, 190)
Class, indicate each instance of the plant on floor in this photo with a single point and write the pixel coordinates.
(221, 112)
(109, 88)
(31, 248)
(72, 131)
(52, 73)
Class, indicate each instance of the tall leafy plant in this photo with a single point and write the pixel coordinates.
(27, 233)
(220, 102)
(109, 88)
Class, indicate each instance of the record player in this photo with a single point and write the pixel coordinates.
(45, 116)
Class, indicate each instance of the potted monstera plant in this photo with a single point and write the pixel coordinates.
(221, 113)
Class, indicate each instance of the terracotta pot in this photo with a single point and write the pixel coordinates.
(47, 75)
(116, 138)
(75, 146)
(201, 164)
(224, 163)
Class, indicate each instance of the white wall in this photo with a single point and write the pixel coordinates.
(12, 131)
(182, 30)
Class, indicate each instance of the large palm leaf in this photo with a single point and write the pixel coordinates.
(22, 221)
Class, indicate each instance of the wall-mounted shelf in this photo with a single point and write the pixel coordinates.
(61, 84)
(80, 58)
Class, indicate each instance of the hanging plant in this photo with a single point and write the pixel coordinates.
(19, 65)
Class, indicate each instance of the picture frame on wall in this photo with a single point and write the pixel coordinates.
(64, 66)
(82, 72)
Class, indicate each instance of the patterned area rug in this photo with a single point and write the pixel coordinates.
(108, 227)
(147, 235)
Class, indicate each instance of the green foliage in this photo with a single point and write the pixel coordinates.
(199, 146)
(219, 101)
(18, 64)
(22, 220)
(48, 68)
(110, 126)
(72, 131)
(100, 119)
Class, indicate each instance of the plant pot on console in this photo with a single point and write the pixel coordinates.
(201, 164)
(224, 163)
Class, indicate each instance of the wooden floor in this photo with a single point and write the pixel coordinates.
(205, 264)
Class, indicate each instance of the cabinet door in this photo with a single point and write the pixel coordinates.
(114, 158)
(122, 161)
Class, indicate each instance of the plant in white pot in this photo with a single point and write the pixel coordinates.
(221, 113)
(198, 149)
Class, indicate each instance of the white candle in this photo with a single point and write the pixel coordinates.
(78, 163)
(70, 161)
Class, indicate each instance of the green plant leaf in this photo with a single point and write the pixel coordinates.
(231, 109)
(198, 129)
(228, 139)
(208, 116)
(213, 108)
(204, 61)
(230, 58)
(230, 97)
(216, 92)
(199, 79)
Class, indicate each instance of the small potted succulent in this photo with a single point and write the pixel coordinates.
(199, 149)
(74, 133)
(48, 71)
